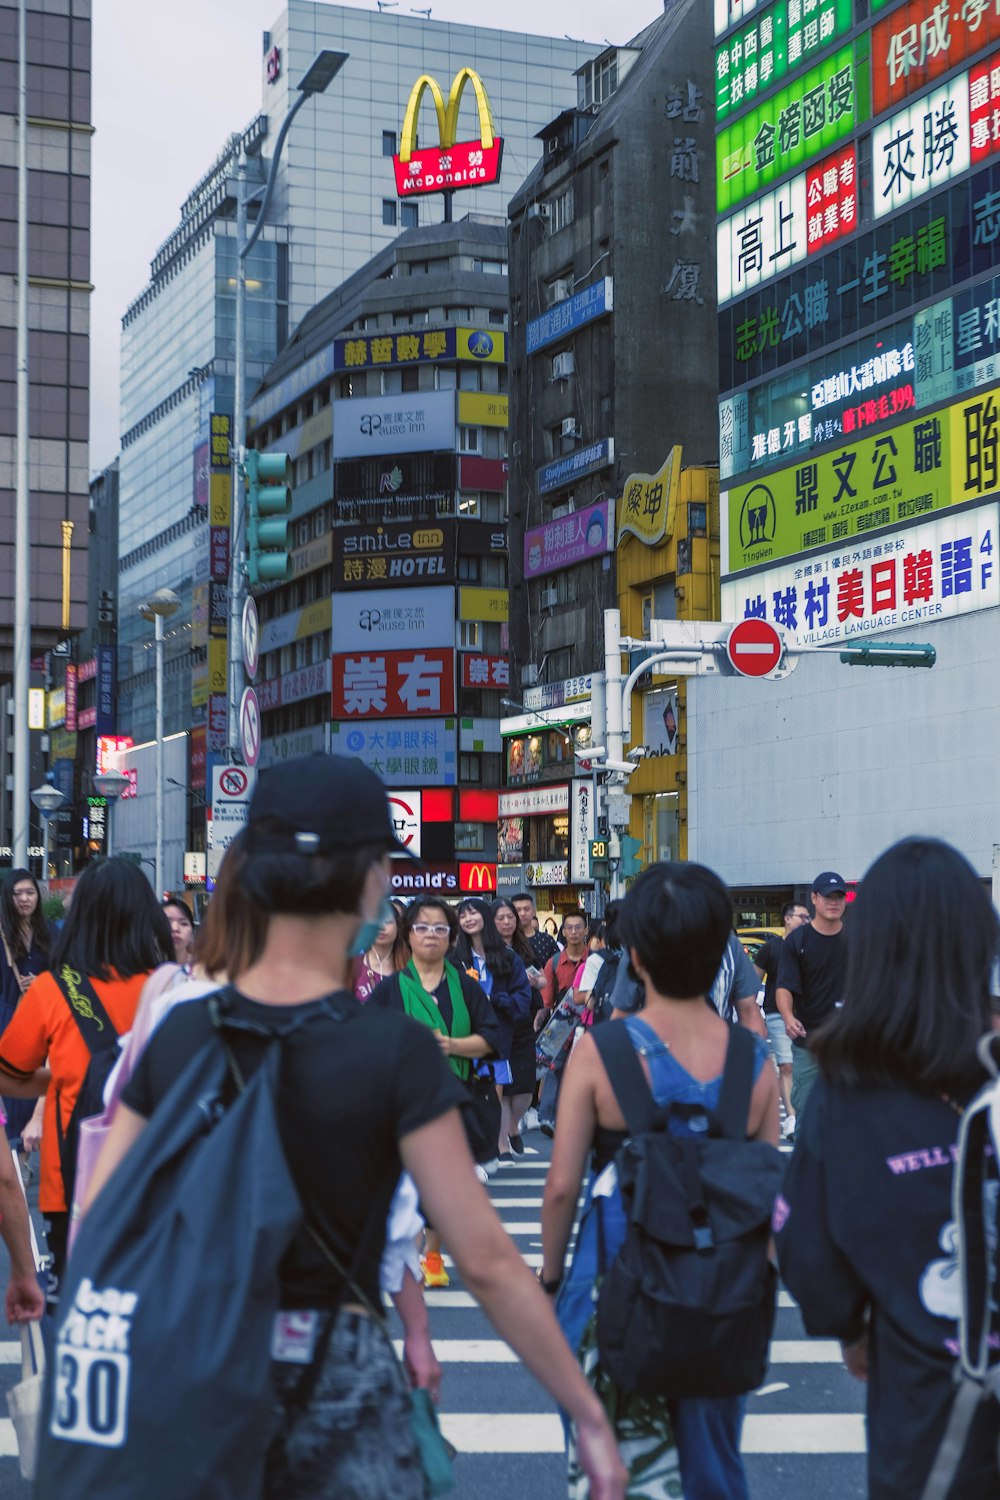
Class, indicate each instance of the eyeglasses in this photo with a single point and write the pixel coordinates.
(424, 929)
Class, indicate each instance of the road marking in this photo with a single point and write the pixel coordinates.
(8, 1437)
(516, 1202)
(10, 1353)
(539, 1432)
(534, 1261)
(495, 1351)
(470, 1351)
(805, 1352)
(773, 1389)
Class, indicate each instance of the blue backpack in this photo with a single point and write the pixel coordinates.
(159, 1384)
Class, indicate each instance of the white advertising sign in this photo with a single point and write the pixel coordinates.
(407, 423)
(582, 831)
(393, 619)
(549, 872)
(534, 801)
(312, 741)
(921, 147)
(232, 788)
(851, 593)
(767, 236)
(404, 810)
(402, 751)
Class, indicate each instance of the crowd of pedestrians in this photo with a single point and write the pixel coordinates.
(419, 1045)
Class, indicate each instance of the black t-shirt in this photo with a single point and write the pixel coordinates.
(769, 959)
(864, 1225)
(813, 966)
(349, 1090)
(543, 947)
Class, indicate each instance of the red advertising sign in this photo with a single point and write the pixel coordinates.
(831, 199)
(452, 163)
(482, 473)
(984, 112)
(485, 671)
(70, 697)
(393, 684)
(476, 877)
(218, 721)
(922, 40)
(199, 757)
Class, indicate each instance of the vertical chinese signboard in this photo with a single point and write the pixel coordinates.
(220, 520)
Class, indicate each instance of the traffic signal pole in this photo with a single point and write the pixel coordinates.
(237, 577)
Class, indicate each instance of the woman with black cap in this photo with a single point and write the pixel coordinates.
(363, 1093)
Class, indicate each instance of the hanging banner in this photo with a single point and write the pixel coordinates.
(649, 502)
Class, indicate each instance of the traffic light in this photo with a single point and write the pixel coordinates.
(600, 867)
(631, 859)
(872, 654)
(269, 502)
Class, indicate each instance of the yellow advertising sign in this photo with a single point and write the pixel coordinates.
(199, 685)
(220, 490)
(63, 745)
(648, 506)
(483, 604)
(217, 663)
(889, 479)
(57, 706)
(482, 346)
(482, 409)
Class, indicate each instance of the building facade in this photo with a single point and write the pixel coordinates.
(857, 224)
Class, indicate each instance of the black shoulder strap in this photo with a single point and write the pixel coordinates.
(92, 1020)
(737, 1086)
(624, 1070)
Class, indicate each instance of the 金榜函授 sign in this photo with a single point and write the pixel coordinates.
(393, 552)
(402, 752)
(391, 684)
(369, 425)
(928, 572)
(571, 313)
(898, 477)
(452, 163)
(589, 460)
(569, 539)
(923, 39)
(785, 36)
(804, 119)
(378, 619)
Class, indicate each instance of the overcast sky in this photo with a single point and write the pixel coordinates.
(171, 82)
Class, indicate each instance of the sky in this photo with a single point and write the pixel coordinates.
(163, 106)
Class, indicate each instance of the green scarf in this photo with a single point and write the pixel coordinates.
(420, 1007)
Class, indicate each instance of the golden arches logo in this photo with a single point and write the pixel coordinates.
(447, 118)
(477, 877)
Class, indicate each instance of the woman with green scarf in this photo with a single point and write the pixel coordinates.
(437, 994)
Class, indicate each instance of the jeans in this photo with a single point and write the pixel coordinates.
(550, 1091)
(805, 1071)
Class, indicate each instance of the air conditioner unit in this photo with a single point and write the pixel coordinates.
(548, 598)
(539, 211)
(569, 427)
(530, 674)
(559, 290)
(563, 365)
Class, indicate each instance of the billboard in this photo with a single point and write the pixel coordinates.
(376, 619)
(929, 572)
(571, 313)
(649, 502)
(452, 163)
(780, 39)
(390, 684)
(599, 455)
(569, 540)
(365, 351)
(922, 40)
(405, 480)
(485, 671)
(408, 422)
(922, 146)
(393, 552)
(404, 754)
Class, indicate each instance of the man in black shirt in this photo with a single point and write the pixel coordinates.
(541, 945)
(793, 915)
(811, 973)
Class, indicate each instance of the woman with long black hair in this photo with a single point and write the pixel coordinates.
(24, 954)
(484, 954)
(517, 1095)
(865, 1228)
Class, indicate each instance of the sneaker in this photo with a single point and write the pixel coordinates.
(435, 1274)
(516, 1145)
(505, 1156)
(547, 1129)
(788, 1128)
(482, 1174)
(492, 1166)
(529, 1120)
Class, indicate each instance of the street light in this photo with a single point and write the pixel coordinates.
(111, 785)
(316, 80)
(158, 608)
(48, 799)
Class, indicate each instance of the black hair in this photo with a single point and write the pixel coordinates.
(596, 929)
(115, 925)
(677, 919)
(612, 918)
(180, 904)
(518, 942)
(308, 885)
(429, 902)
(924, 939)
(568, 916)
(789, 907)
(499, 958)
(10, 919)
(522, 896)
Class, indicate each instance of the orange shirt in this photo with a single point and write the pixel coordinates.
(43, 1027)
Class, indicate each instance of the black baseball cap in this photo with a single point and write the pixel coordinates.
(830, 884)
(320, 804)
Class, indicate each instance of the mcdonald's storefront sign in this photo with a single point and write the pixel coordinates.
(477, 877)
(453, 163)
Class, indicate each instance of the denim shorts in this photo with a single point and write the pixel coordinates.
(355, 1440)
(781, 1042)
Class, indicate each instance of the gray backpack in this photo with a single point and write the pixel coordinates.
(977, 1215)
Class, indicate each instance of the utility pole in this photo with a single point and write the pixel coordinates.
(22, 533)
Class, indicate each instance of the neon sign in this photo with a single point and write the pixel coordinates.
(453, 163)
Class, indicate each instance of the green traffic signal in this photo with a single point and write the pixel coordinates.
(269, 502)
(899, 654)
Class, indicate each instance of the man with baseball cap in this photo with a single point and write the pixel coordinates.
(811, 978)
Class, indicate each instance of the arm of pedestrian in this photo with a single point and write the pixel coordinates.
(577, 1121)
(456, 1203)
(25, 1085)
(856, 1357)
(463, 1046)
(785, 1002)
(126, 1128)
(25, 1299)
(419, 1359)
(749, 1014)
(31, 1135)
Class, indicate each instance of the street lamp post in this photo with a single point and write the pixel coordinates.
(320, 74)
(110, 785)
(159, 608)
(48, 799)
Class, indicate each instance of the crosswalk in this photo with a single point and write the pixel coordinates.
(804, 1431)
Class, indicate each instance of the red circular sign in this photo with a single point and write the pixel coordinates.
(754, 647)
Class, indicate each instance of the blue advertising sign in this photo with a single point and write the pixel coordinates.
(586, 461)
(583, 307)
(105, 722)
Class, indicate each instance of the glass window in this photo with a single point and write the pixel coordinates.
(388, 211)
(388, 143)
(409, 215)
(469, 837)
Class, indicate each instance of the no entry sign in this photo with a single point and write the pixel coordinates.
(754, 647)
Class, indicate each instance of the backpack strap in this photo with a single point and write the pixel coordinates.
(624, 1070)
(733, 1108)
(92, 1020)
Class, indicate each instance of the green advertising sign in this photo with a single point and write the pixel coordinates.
(780, 40)
(800, 122)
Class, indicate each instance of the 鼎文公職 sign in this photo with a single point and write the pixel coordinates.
(585, 533)
(649, 502)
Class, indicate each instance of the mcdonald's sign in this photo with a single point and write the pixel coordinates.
(452, 164)
(477, 877)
